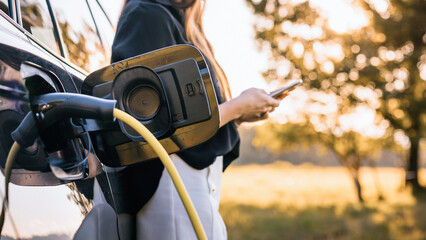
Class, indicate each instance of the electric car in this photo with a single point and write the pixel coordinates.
(50, 45)
(66, 181)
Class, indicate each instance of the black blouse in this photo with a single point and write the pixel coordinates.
(144, 26)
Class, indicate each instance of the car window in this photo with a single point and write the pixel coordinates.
(106, 30)
(82, 44)
(112, 9)
(4, 6)
(36, 20)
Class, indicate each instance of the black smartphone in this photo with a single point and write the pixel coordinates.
(277, 93)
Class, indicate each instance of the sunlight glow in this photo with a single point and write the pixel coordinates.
(297, 1)
(335, 51)
(264, 24)
(342, 16)
(283, 43)
(353, 75)
(291, 108)
(361, 61)
(408, 48)
(326, 103)
(389, 87)
(379, 38)
(399, 85)
(315, 105)
(375, 61)
(422, 69)
(390, 55)
(309, 61)
(401, 73)
(362, 120)
(238, 53)
(381, 6)
(341, 77)
(270, 6)
(355, 48)
(327, 67)
(401, 139)
(298, 49)
(368, 95)
(328, 51)
(301, 30)
(283, 68)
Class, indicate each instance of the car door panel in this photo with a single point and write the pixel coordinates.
(53, 210)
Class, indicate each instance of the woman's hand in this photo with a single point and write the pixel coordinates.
(252, 105)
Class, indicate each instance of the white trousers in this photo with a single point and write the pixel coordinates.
(164, 217)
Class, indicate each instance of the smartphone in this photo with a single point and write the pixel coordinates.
(277, 93)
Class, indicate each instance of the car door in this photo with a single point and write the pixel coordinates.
(34, 60)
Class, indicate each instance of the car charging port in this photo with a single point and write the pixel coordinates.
(58, 119)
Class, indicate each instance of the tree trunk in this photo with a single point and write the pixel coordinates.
(353, 170)
(355, 176)
(376, 177)
(411, 177)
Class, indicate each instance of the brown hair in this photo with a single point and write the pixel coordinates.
(192, 12)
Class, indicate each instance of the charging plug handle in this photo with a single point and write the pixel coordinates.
(27, 131)
(50, 108)
(53, 107)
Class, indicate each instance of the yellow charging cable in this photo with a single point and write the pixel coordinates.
(168, 164)
(157, 147)
(7, 172)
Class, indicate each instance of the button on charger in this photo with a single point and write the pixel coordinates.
(190, 90)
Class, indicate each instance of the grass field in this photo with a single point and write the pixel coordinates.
(281, 201)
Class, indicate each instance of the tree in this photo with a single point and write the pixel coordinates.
(325, 126)
(367, 53)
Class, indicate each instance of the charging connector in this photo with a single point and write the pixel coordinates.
(54, 107)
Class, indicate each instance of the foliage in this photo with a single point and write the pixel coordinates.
(373, 57)
(291, 136)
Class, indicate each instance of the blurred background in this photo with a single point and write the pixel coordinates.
(343, 156)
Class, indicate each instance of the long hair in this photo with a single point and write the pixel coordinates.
(192, 14)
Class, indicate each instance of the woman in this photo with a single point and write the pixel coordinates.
(147, 25)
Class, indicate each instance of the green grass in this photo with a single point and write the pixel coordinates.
(310, 213)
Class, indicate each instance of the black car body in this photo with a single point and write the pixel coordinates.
(60, 41)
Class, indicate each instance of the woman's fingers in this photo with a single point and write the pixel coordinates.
(262, 116)
(268, 109)
(282, 96)
(285, 94)
(256, 104)
(274, 102)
